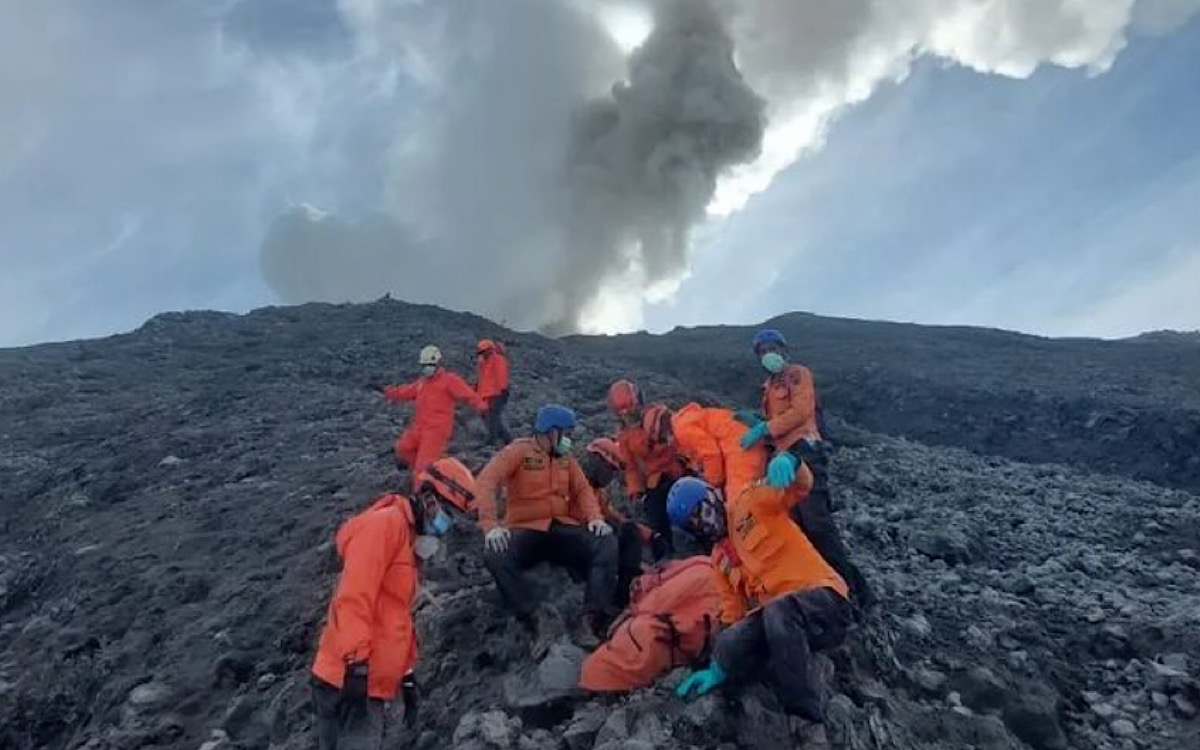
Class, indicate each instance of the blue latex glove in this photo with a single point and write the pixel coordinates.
(781, 472)
(701, 681)
(754, 435)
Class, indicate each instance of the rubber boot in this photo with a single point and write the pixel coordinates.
(585, 634)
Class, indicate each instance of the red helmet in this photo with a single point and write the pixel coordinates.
(656, 421)
(624, 397)
(451, 480)
(607, 449)
(484, 346)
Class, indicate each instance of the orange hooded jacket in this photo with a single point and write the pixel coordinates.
(708, 439)
(370, 616)
(435, 396)
(539, 489)
(646, 464)
(766, 555)
(790, 403)
(670, 621)
(493, 374)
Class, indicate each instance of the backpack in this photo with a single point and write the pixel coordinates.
(670, 622)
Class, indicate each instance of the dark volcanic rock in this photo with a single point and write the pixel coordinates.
(168, 498)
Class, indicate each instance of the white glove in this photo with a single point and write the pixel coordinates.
(599, 528)
(496, 540)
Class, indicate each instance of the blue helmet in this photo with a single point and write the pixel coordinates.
(683, 499)
(553, 417)
(769, 336)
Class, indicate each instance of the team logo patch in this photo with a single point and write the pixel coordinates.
(745, 526)
(533, 463)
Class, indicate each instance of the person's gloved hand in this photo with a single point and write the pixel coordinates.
(754, 435)
(599, 528)
(701, 682)
(781, 472)
(354, 688)
(412, 699)
(496, 540)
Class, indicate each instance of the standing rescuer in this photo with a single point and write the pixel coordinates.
(492, 387)
(792, 427)
(780, 600)
(436, 393)
(550, 515)
(650, 467)
(368, 647)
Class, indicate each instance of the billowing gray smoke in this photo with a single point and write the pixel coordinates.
(643, 162)
(532, 188)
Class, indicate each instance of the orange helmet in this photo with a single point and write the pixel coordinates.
(451, 480)
(656, 421)
(484, 346)
(624, 397)
(607, 449)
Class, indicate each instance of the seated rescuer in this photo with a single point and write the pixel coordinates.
(650, 467)
(780, 600)
(793, 427)
(368, 647)
(600, 464)
(547, 503)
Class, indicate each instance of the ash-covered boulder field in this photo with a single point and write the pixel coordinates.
(1027, 508)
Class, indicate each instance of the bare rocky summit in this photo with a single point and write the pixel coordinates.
(1026, 506)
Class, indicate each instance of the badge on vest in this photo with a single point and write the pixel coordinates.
(533, 463)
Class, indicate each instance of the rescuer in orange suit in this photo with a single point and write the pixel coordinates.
(550, 515)
(436, 393)
(368, 646)
(707, 438)
(650, 467)
(793, 428)
(781, 601)
(492, 387)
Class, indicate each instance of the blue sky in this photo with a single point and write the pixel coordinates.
(1061, 204)
(147, 149)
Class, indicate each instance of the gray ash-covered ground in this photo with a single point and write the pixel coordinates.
(168, 498)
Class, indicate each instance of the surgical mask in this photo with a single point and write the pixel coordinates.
(426, 547)
(773, 362)
(428, 370)
(439, 524)
(564, 446)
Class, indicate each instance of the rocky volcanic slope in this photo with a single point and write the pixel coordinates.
(167, 501)
(1127, 407)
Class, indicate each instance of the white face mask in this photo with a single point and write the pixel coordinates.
(426, 547)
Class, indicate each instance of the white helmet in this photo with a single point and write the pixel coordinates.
(431, 355)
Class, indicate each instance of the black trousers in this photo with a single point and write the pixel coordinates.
(593, 558)
(339, 729)
(493, 418)
(629, 560)
(655, 507)
(814, 516)
(776, 643)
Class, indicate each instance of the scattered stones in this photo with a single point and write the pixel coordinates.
(950, 545)
(917, 625)
(1123, 728)
(150, 695)
(1183, 706)
(170, 461)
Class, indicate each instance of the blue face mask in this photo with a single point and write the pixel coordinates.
(428, 370)
(440, 524)
(773, 362)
